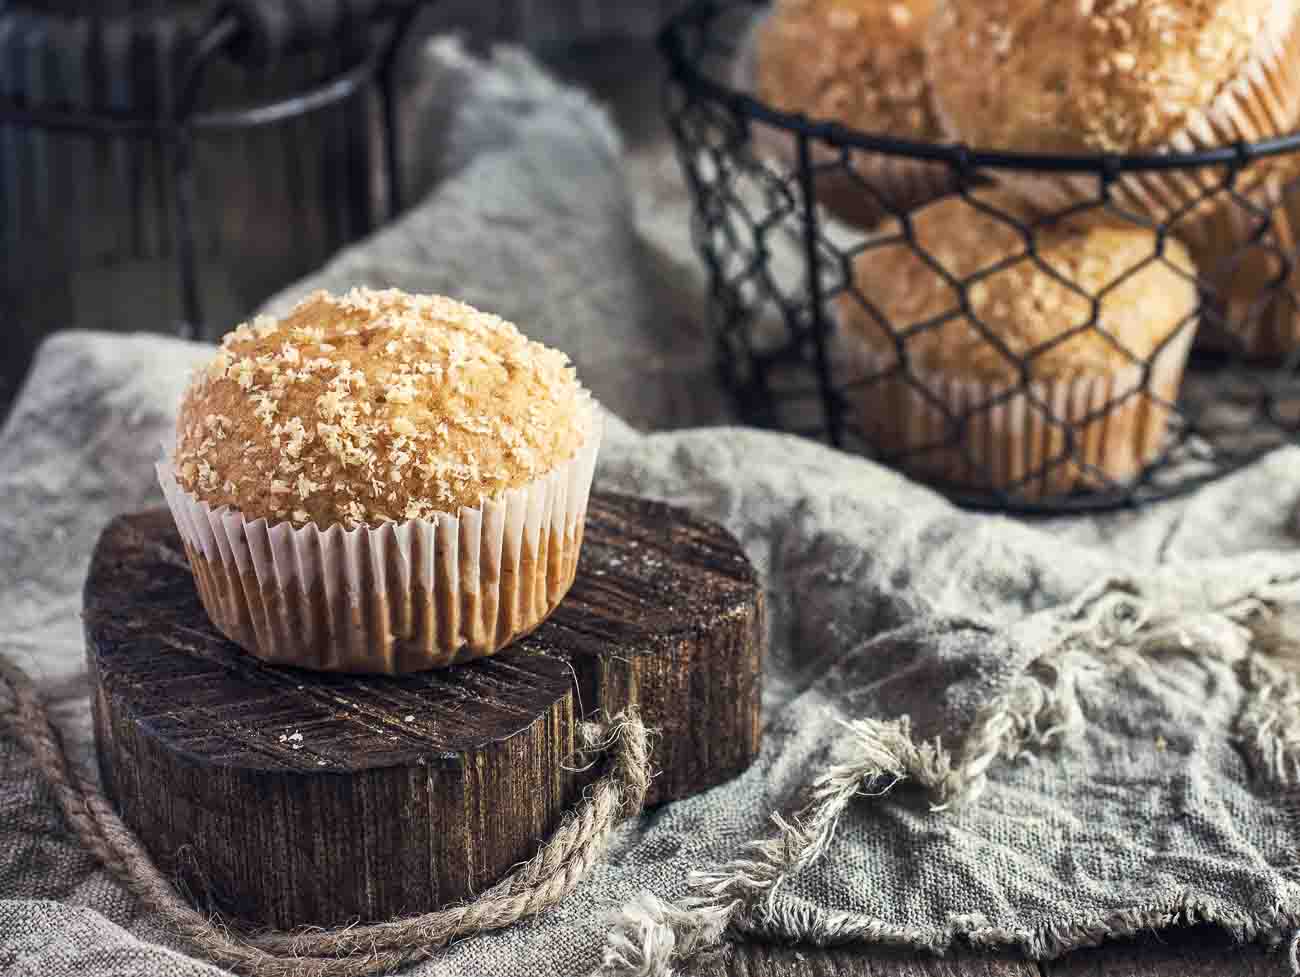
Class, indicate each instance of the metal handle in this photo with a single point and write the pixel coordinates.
(271, 29)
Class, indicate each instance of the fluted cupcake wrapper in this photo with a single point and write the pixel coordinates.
(402, 597)
(1019, 444)
(884, 185)
(1262, 103)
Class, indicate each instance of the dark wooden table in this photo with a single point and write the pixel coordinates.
(1198, 952)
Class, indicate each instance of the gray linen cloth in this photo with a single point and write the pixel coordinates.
(976, 729)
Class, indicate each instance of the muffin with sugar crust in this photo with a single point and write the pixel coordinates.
(381, 482)
(1013, 380)
(1117, 76)
(860, 63)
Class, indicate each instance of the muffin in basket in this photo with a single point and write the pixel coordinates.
(1018, 386)
(859, 62)
(1117, 76)
(381, 482)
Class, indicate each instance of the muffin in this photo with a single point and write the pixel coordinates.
(1117, 76)
(381, 482)
(1249, 262)
(1014, 386)
(860, 63)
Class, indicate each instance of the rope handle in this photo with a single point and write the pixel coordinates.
(358, 951)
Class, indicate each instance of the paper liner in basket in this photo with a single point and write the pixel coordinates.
(1118, 426)
(401, 597)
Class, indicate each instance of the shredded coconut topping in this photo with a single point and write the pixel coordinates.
(1094, 75)
(857, 61)
(375, 406)
(1035, 307)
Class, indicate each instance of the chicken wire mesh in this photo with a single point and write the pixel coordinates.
(1026, 332)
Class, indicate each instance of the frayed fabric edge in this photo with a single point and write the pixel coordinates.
(650, 937)
(653, 938)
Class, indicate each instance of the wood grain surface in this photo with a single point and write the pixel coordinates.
(286, 797)
(1198, 952)
(764, 960)
(668, 614)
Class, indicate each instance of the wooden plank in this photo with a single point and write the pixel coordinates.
(1199, 952)
(763, 960)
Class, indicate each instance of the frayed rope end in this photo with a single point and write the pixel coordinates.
(648, 937)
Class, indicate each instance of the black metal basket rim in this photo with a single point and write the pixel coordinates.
(248, 116)
(961, 157)
(217, 38)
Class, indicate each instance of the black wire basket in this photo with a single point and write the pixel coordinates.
(792, 295)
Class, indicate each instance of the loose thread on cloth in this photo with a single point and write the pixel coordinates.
(1113, 621)
(355, 951)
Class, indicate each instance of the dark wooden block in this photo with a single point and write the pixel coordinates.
(288, 797)
(666, 614)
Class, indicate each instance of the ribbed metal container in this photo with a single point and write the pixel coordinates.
(88, 217)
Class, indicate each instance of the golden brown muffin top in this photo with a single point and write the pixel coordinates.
(1021, 303)
(1091, 75)
(859, 62)
(375, 406)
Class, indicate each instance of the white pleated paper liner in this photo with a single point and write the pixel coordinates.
(897, 183)
(402, 597)
(1118, 425)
